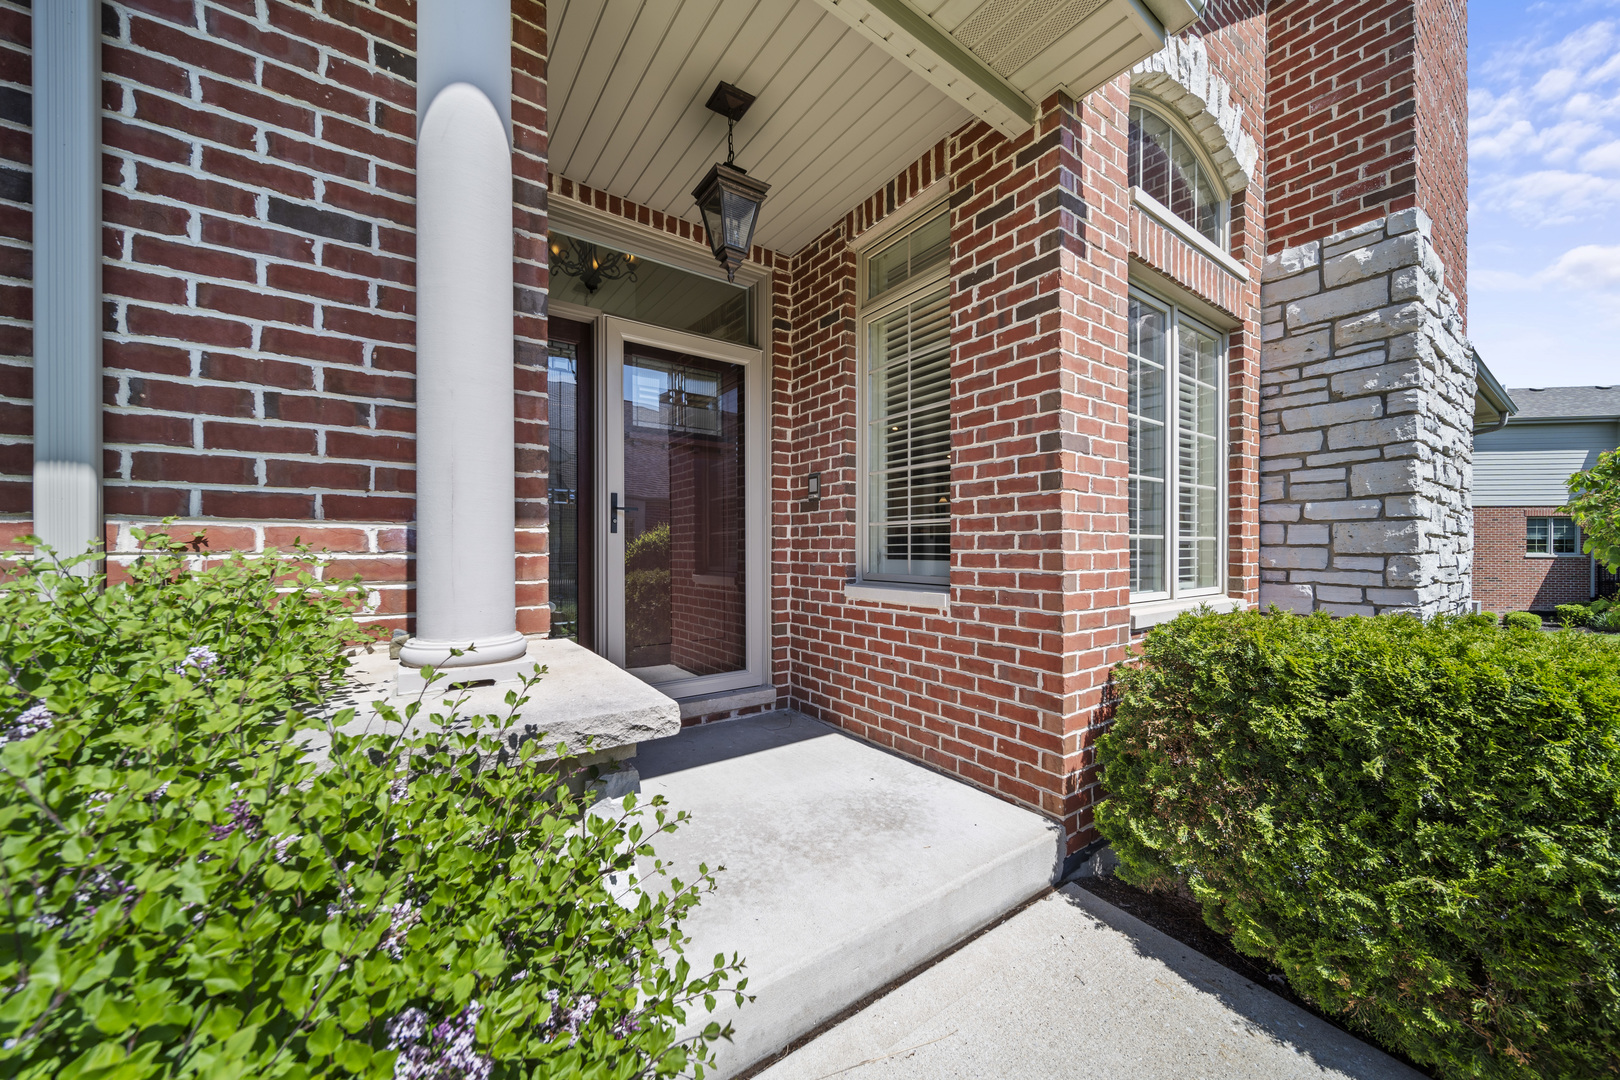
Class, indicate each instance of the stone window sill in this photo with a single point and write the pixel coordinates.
(1161, 213)
(913, 596)
(1153, 612)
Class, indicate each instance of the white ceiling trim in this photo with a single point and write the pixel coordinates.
(1000, 58)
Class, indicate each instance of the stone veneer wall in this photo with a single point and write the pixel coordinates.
(1367, 388)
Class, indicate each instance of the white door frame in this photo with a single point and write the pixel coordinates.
(612, 334)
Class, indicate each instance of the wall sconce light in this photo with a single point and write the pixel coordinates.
(812, 489)
(728, 197)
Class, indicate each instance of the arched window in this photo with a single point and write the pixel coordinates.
(1165, 163)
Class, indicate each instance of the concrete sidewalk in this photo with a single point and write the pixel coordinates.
(1073, 988)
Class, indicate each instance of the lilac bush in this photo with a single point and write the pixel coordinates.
(188, 890)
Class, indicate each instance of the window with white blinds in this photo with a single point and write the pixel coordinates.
(906, 404)
(1176, 415)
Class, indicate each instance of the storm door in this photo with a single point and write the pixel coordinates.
(683, 555)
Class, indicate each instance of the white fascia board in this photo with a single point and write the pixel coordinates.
(1177, 15)
(914, 40)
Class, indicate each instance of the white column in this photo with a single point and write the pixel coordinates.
(466, 593)
(67, 274)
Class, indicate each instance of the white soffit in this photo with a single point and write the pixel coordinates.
(1000, 58)
(835, 116)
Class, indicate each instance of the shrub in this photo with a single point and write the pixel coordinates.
(1608, 621)
(1600, 605)
(1418, 823)
(1522, 620)
(191, 891)
(1480, 618)
(1572, 615)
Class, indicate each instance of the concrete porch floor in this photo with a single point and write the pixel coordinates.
(845, 867)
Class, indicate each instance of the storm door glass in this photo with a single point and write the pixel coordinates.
(683, 514)
(1147, 414)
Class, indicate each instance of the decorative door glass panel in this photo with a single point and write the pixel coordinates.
(621, 283)
(684, 589)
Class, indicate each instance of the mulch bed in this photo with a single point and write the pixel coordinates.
(1182, 919)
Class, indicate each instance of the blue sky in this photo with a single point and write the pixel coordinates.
(1544, 190)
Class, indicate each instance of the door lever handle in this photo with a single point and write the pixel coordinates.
(613, 512)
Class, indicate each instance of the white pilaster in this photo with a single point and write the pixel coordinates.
(67, 273)
(466, 595)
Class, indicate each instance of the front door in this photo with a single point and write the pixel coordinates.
(678, 584)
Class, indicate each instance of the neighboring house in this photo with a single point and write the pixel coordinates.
(1058, 320)
(1527, 556)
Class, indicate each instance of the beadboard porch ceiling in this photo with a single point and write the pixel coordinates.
(849, 92)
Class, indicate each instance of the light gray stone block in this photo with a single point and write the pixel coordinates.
(1295, 598)
(1384, 477)
(1337, 304)
(1378, 378)
(1387, 322)
(1393, 597)
(1359, 562)
(1342, 510)
(1372, 260)
(1380, 433)
(1308, 534)
(1375, 537)
(1338, 594)
(1292, 260)
(1279, 445)
(1338, 412)
(1311, 492)
(1297, 349)
(1292, 558)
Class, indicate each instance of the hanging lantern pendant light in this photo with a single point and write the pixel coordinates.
(728, 197)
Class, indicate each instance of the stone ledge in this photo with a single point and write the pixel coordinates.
(583, 701)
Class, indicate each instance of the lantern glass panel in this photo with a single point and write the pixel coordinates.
(740, 212)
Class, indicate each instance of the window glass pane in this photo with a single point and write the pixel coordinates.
(1197, 445)
(924, 248)
(1164, 164)
(1536, 540)
(1146, 437)
(597, 276)
(1564, 537)
(909, 440)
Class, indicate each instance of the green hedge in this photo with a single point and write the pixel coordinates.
(189, 891)
(1418, 823)
(1573, 615)
(1522, 620)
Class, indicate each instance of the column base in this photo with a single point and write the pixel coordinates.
(476, 653)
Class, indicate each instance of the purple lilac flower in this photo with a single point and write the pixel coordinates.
(405, 916)
(29, 722)
(445, 1053)
(203, 659)
(570, 1018)
(242, 817)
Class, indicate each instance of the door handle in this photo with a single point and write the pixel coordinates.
(613, 512)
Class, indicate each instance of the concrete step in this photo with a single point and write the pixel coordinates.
(845, 866)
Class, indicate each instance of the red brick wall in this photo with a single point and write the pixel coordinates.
(1506, 579)
(258, 205)
(1001, 689)
(1367, 115)
(1442, 132)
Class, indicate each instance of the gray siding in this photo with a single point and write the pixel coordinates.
(1528, 464)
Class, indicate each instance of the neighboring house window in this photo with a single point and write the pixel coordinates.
(1177, 431)
(1165, 163)
(1551, 536)
(906, 406)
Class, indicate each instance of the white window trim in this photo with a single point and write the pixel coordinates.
(1153, 612)
(927, 597)
(1161, 213)
(1549, 553)
(1174, 599)
(894, 589)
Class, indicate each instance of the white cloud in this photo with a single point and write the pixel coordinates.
(1591, 267)
(1550, 196)
(1605, 158)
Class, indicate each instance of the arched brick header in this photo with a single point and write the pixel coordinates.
(1179, 75)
